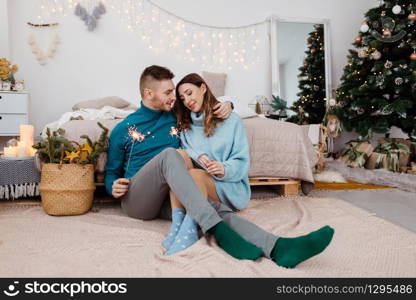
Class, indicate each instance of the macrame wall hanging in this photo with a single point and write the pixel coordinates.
(50, 41)
(95, 9)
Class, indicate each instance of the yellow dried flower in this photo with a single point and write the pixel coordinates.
(14, 69)
(6, 69)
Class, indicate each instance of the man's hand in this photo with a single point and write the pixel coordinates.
(120, 187)
(204, 160)
(216, 168)
(223, 110)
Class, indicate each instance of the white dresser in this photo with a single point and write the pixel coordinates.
(13, 112)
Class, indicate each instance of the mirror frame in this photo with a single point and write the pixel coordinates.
(274, 52)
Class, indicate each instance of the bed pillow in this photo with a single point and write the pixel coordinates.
(216, 82)
(99, 103)
(241, 110)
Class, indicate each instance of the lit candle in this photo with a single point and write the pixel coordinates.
(26, 136)
(26, 133)
(10, 151)
(22, 149)
(32, 151)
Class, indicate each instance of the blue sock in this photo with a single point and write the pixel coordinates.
(187, 236)
(177, 217)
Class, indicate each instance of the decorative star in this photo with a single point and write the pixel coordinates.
(87, 147)
(71, 156)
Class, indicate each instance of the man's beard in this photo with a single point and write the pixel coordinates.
(163, 106)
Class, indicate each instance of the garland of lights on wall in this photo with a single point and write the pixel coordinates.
(214, 48)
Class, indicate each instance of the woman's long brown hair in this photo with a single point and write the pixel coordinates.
(183, 115)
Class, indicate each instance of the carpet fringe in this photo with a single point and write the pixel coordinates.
(15, 191)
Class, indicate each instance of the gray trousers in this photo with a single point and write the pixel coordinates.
(148, 194)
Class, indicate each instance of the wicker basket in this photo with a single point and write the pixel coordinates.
(67, 189)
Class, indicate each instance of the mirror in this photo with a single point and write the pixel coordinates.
(301, 62)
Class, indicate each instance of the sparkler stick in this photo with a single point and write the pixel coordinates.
(128, 162)
(135, 136)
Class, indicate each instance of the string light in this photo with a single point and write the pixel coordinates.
(164, 31)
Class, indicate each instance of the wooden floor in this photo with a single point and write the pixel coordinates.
(350, 185)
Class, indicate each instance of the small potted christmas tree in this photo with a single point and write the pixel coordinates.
(279, 106)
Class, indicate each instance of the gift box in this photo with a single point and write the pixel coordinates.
(404, 156)
(356, 153)
(377, 161)
(390, 154)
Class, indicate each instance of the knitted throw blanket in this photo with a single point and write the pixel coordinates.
(18, 178)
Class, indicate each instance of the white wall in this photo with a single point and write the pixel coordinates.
(109, 60)
(4, 30)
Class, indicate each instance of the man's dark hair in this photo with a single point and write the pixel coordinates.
(152, 74)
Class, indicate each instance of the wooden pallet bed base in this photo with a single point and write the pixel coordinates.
(287, 186)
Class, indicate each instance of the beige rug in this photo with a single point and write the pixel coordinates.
(109, 244)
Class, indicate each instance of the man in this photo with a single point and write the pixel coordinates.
(143, 166)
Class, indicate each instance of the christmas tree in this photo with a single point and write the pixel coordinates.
(310, 107)
(378, 87)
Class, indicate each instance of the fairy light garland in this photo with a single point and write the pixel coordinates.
(213, 47)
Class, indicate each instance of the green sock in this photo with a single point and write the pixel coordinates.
(233, 243)
(288, 252)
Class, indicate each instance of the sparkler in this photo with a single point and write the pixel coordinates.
(135, 136)
(174, 132)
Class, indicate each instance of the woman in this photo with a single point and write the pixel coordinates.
(218, 147)
(219, 150)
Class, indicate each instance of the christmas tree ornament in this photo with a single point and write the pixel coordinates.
(332, 102)
(388, 64)
(412, 17)
(379, 80)
(398, 81)
(364, 27)
(376, 55)
(388, 25)
(413, 56)
(397, 9)
(363, 52)
(386, 32)
(358, 39)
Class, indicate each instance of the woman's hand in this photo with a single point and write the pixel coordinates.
(223, 110)
(204, 160)
(216, 168)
